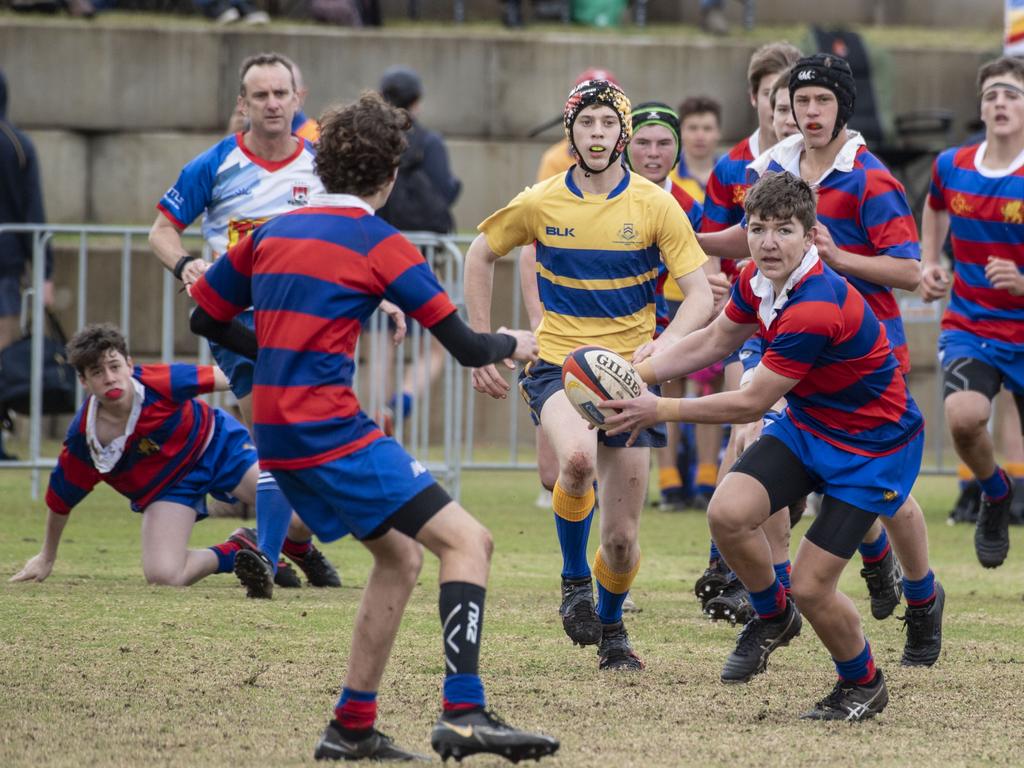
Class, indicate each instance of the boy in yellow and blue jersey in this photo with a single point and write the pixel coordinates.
(601, 233)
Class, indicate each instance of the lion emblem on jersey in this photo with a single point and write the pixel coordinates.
(1013, 212)
(959, 205)
(739, 194)
(147, 447)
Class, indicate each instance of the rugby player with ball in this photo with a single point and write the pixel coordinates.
(600, 234)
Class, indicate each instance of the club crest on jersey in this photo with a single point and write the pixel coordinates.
(147, 447)
(960, 206)
(1013, 212)
(627, 235)
(889, 495)
(739, 194)
(300, 194)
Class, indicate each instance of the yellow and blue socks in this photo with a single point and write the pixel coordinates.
(356, 712)
(770, 603)
(273, 515)
(612, 589)
(918, 592)
(461, 606)
(573, 515)
(859, 670)
(707, 478)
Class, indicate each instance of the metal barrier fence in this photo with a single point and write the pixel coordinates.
(443, 441)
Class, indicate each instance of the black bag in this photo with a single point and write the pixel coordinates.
(415, 204)
(58, 375)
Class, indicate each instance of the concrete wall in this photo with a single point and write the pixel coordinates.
(112, 79)
(939, 13)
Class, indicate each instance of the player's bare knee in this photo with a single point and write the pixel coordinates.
(617, 546)
(807, 592)
(725, 519)
(163, 576)
(578, 469)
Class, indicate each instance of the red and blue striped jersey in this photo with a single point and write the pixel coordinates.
(313, 277)
(169, 437)
(986, 218)
(668, 290)
(727, 186)
(852, 392)
(866, 211)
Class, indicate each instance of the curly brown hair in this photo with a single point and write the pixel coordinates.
(360, 145)
(781, 196)
(87, 347)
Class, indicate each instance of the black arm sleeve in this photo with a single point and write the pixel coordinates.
(232, 335)
(470, 348)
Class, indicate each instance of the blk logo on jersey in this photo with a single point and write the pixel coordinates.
(300, 194)
(560, 231)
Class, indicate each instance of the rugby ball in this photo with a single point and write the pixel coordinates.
(591, 375)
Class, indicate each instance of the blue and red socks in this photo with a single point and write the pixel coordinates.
(875, 551)
(714, 555)
(297, 550)
(997, 486)
(356, 712)
(226, 556)
(860, 670)
(770, 603)
(573, 516)
(782, 571)
(273, 516)
(919, 592)
(461, 606)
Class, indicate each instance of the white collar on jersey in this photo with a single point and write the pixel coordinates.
(995, 173)
(754, 142)
(788, 151)
(762, 287)
(105, 457)
(667, 185)
(328, 200)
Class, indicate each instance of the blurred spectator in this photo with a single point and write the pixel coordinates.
(712, 17)
(80, 8)
(21, 202)
(230, 11)
(425, 189)
(700, 118)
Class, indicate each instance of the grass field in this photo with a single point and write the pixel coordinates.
(96, 668)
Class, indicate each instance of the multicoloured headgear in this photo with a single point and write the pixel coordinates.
(826, 70)
(657, 113)
(606, 93)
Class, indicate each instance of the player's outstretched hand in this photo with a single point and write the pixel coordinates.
(526, 346)
(631, 415)
(488, 381)
(397, 317)
(935, 282)
(36, 569)
(1004, 275)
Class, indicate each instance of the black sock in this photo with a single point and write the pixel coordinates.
(462, 621)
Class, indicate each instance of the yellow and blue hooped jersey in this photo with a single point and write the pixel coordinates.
(597, 258)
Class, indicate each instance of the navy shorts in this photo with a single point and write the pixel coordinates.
(540, 380)
(219, 470)
(10, 296)
(357, 493)
(237, 368)
(1007, 360)
(878, 484)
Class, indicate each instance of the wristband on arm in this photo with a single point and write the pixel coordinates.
(180, 266)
